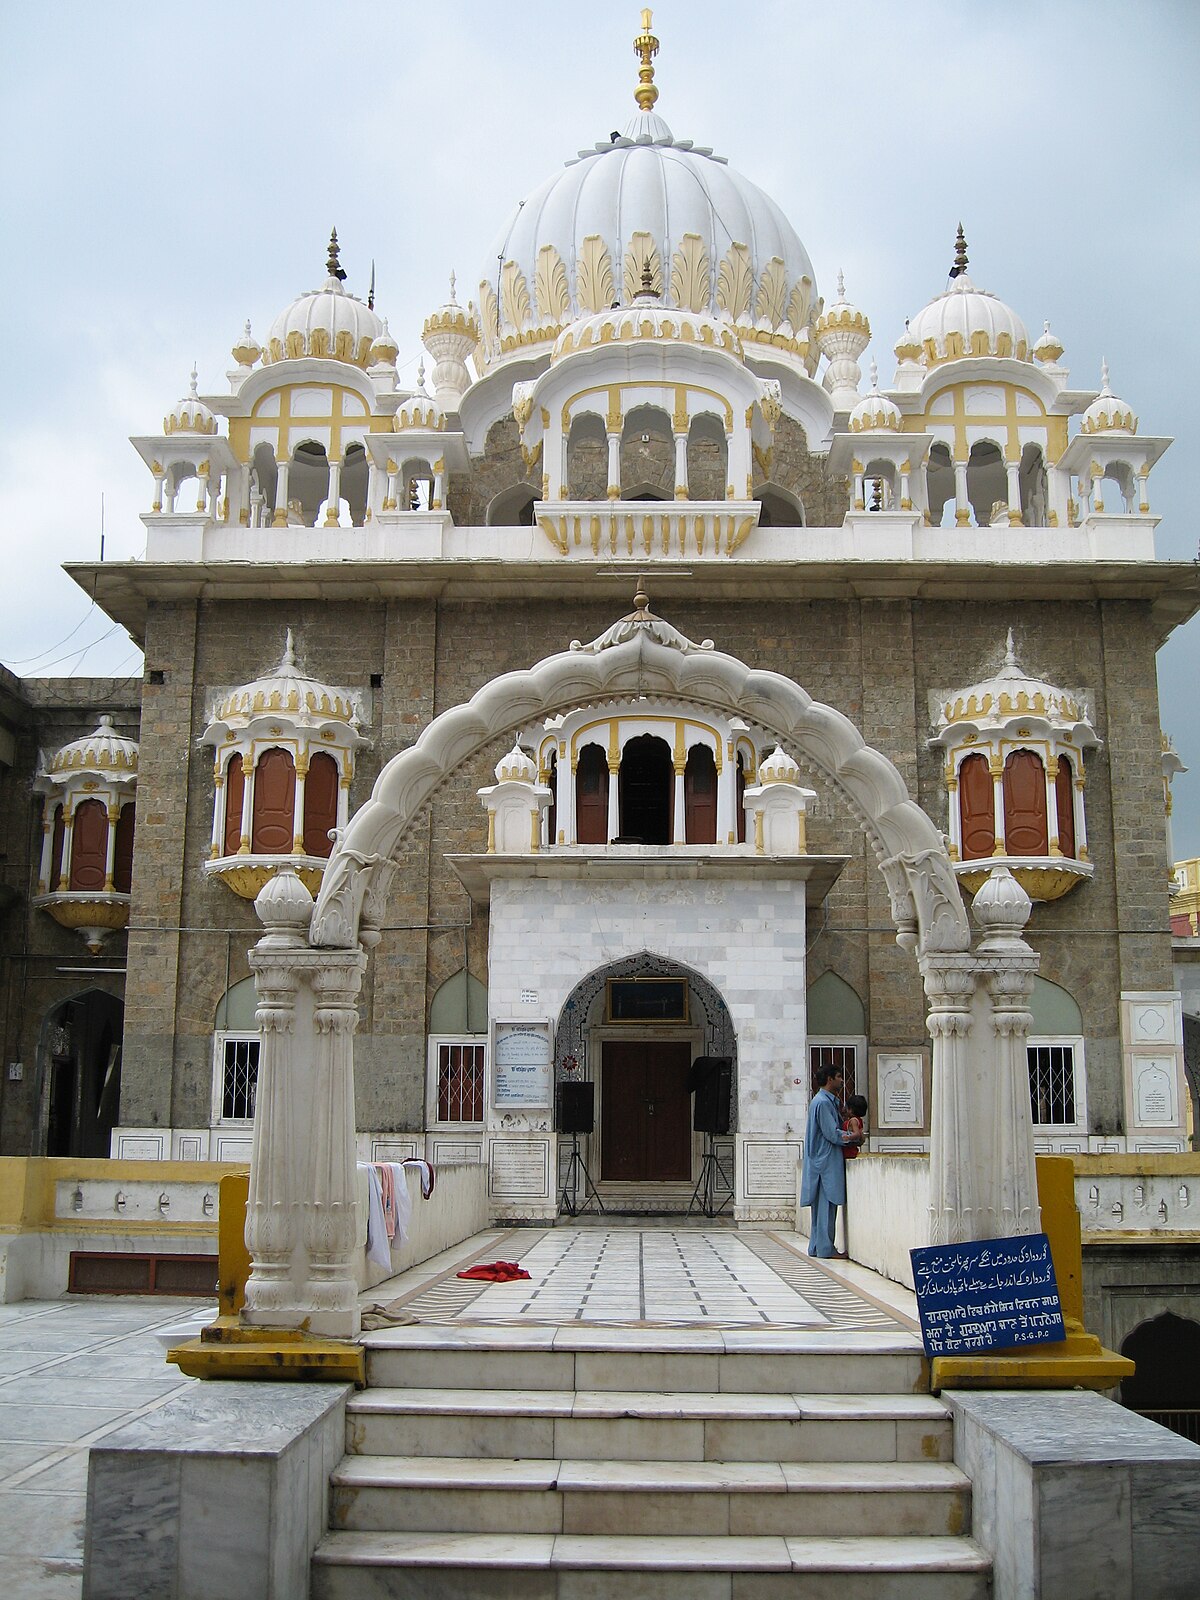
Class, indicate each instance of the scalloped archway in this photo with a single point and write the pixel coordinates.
(644, 656)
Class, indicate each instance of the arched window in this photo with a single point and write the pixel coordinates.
(707, 458)
(879, 484)
(320, 804)
(1033, 482)
(987, 481)
(939, 483)
(354, 483)
(647, 455)
(89, 847)
(591, 796)
(513, 507)
(56, 850)
(1025, 805)
(552, 785)
(700, 796)
(780, 508)
(741, 797)
(123, 850)
(647, 790)
(274, 804)
(235, 784)
(1064, 798)
(587, 458)
(308, 483)
(976, 808)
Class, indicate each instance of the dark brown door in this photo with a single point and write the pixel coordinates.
(645, 1117)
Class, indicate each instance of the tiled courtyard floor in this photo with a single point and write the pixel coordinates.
(71, 1372)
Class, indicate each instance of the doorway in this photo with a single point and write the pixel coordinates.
(83, 1058)
(645, 1111)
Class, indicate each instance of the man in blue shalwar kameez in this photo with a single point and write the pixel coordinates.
(823, 1184)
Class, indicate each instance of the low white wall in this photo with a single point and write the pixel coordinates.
(887, 1212)
(36, 1265)
(457, 1208)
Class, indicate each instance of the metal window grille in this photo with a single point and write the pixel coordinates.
(841, 1056)
(460, 1082)
(240, 1079)
(1052, 1083)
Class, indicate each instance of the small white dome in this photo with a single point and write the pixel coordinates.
(103, 751)
(516, 767)
(450, 325)
(964, 321)
(875, 413)
(843, 317)
(385, 349)
(247, 350)
(420, 410)
(288, 691)
(1049, 346)
(1011, 693)
(778, 768)
(1107, 414)
(326, 322)
(190, 415)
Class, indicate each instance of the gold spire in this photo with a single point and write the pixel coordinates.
(646, 47)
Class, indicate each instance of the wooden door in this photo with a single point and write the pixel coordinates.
(645, 1113)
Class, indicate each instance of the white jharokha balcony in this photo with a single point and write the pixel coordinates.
(688, 528)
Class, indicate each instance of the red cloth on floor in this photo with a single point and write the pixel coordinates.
(496, 1271)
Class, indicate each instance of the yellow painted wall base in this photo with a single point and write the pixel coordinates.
(1079, 1361)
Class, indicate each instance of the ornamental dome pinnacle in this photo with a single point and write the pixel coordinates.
(190, 415)
(1107, 414)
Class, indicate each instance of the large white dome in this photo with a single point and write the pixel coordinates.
(579, 242)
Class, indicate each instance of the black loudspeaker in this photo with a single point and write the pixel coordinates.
(575, 1110)
(711, 1080)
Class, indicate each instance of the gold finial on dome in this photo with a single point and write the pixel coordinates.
(333, 265)
(960, 254)
(646, 46)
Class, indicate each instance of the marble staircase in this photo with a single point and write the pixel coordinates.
(579, 1462)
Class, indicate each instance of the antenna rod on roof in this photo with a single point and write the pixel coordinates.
(102, 524)
(371, 290)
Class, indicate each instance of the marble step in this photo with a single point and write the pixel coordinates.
(447, 1494)
(619, 1425)
(741, 1360)
(370, 1566)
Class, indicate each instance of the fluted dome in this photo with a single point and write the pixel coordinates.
(419, 411)
(190, 415)
(778, 768)
(875, 413)
(967, 321)
(516, 767)
(102, 751)
(1012, 692)
(288, 690)
(325, 322)
(713, 240)
(1107, 414)
(647, 319)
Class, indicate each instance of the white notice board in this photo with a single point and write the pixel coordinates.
(521, 1057)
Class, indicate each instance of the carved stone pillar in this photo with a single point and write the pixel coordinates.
(302, 1211)
(956, 1145)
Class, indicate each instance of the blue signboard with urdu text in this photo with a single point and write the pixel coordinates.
(987, 1293)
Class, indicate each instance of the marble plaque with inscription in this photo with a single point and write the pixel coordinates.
(521, 1065)
(1154, 1091)
(519, 1168)
(901, 1102)
(770, 1168)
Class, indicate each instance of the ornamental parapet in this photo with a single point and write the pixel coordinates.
(603, 528)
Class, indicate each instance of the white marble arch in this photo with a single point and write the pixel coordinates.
(301, 1217)
(643, 655)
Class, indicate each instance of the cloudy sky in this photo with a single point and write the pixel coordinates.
(171, 171)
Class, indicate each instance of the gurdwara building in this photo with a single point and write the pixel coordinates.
(644, 412)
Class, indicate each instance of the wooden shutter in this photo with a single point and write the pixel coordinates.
(700, 796)
(274, 804)
(123, 851)
(235, 786)
(591, 796)
(320, 804)
(976, 808)
(1025, 805)
(89, 846)
(1064, 800)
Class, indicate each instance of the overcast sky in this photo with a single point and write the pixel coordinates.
(170, 171)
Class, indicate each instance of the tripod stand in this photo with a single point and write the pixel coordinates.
(570, 1191)
(705, 1191)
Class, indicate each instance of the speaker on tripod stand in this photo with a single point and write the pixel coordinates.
(575, 1113)
(711, 1081)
